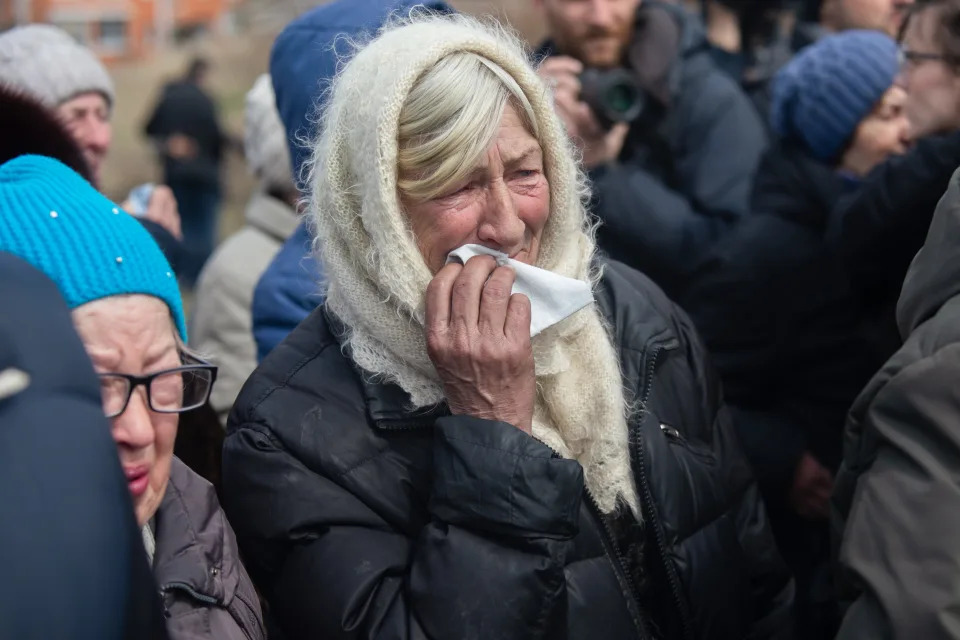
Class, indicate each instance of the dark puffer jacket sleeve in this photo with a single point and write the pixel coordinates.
(489, 563)
(908, 574)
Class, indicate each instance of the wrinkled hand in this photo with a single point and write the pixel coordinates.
(478, 338)
(598, 145)
(811, 490)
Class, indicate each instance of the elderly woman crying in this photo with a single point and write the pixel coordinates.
(430, 468)
(127, 311)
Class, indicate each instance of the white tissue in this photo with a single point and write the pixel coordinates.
(552, 297)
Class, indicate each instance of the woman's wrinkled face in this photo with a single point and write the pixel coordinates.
(503, 204)
(133, 334)
(883, 133)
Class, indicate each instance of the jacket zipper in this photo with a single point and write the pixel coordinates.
(610, 549)
(647, 499)
(183, 586)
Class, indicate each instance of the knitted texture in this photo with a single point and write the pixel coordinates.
(47, 63)
(377, 277)
(264, 138)
(56, 221)
(821, 96)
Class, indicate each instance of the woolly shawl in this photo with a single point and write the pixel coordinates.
(377, 278)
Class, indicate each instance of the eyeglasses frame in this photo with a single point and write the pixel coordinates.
(136, 381)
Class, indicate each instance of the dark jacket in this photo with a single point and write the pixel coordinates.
(287, 292)
(185, 109)
(206, 592)
(897, 499)
(362, 519)
(782, 320)
(878, 229)
(72, 555)
(681, 183)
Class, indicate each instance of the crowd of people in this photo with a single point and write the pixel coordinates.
(642, 331)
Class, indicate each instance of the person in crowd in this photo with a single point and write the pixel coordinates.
(666, 184)
(185, 128)
(430, 469)
(898, 494)
(221, 327)
(303, 61)
(878, 229)
(72, 556)
(32, 129)
(42, 68)
(778, 313)
(753, 39)
(747, 38)
(125, 305)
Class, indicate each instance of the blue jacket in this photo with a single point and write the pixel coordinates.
(71, 552)
(302, 63)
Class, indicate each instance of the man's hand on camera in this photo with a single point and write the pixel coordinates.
(598, 145)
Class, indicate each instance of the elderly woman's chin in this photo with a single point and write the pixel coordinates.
(146, 501)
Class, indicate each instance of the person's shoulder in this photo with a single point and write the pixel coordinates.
(633, 304)
(302, 373)
(240, 261)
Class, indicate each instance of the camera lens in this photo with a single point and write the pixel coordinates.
(613, 95)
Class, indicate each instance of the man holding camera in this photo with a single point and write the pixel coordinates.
(670, 141)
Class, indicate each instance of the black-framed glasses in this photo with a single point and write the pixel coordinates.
(169, 391)
(906, 56)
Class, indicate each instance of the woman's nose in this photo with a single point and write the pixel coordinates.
(501, 227)
(134, 427)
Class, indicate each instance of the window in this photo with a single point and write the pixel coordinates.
(113, 36)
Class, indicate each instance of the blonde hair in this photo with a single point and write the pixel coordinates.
(450, 118)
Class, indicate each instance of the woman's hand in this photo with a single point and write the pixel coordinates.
(478, 337)
(812, 488)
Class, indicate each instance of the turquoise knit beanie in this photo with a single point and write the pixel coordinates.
(57, 221)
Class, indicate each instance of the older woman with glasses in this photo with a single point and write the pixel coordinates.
(127, 310)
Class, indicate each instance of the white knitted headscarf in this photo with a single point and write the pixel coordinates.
(377, 278)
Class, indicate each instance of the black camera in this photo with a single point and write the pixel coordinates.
(614, 95)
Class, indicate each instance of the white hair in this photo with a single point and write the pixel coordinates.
(450, 118)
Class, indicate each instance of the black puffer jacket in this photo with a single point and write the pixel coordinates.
(361, 519)
(897, 498)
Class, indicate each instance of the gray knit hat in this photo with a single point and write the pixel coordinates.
(48, 64)
(265, 139)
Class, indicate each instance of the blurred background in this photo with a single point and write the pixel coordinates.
(149, 42)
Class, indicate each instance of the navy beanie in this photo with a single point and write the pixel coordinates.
(820, 97)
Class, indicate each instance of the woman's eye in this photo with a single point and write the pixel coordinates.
(526, 174)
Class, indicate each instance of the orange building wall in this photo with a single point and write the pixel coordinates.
(138, 15)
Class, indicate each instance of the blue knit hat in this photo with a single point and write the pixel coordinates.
(821, 96)
(56, 221)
